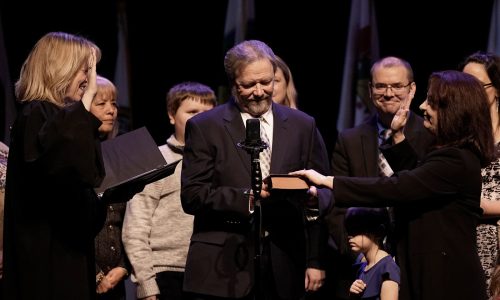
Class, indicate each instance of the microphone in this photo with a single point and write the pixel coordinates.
(253, 145)
(253, 132)
(253, 142)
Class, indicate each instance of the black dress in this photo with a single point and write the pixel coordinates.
(50, 206)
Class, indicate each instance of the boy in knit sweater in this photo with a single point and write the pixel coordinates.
(156, 231)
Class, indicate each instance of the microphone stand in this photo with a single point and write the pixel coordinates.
(256, 182)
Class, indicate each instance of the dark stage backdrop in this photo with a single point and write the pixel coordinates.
(183, 40)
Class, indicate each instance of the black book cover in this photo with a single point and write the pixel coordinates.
(131, 161)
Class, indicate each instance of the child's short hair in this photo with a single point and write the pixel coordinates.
(188, 89)
(368, 221)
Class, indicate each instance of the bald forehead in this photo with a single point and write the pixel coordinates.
(392, 65)
(391, 74)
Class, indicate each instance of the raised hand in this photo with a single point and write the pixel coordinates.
(399, 121)
(91, 90)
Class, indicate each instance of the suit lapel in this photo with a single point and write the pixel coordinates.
(280, 142)
(236, 131)
(369, 141)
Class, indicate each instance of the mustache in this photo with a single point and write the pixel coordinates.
(259, 99)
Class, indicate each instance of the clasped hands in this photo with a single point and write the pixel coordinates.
(110, 280)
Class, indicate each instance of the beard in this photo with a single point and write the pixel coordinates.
(254, 107)
(258, 108)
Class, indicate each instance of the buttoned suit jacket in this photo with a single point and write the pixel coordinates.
(215, 174)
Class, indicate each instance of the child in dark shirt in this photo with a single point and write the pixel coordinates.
(378, 276)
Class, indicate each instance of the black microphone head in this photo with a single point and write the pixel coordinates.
(253, 132)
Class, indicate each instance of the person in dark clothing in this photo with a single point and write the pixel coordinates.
(357, 153)
(215, 182)
(112, 264)
(437, 200)
(377, 274)
(51, 209)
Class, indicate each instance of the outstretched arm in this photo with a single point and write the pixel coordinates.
(314, 178)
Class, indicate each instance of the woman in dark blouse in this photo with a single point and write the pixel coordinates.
(112, 265)
(437, 202)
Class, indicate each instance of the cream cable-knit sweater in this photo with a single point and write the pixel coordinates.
(156, 231)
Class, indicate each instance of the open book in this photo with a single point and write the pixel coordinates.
(285, 182)
(131, 161)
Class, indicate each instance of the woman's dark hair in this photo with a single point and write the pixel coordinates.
(463, 113)
(491, 63)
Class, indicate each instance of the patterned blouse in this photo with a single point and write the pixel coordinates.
(487, 234)
(3, 167)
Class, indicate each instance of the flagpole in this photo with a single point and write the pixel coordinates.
(361, 51)
(122, 74)
(7, 88)
(494, 37)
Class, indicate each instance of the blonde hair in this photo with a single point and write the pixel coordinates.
(51, 65)
(291, 92)
(106, 89)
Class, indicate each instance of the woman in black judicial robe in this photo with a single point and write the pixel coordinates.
(54, 164)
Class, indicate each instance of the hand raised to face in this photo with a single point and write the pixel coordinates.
(91, 89)
(399, 121)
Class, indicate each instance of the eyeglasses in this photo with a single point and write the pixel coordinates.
(487, 85)
(381, 88)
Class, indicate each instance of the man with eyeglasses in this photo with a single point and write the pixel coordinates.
(357, 153)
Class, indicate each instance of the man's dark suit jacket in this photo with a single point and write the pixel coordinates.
(215, 174)
(356, 154)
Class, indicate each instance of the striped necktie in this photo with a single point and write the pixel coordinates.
(265, 155)
(384, 167)
(385, 170)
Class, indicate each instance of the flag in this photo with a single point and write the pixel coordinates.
(240, 16)
(361, 51)
(122, 67)
(494, 38)
(7, 100)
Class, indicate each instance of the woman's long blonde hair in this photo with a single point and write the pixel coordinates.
(51, 65)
